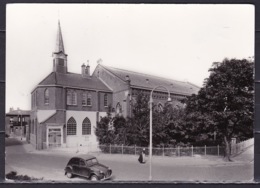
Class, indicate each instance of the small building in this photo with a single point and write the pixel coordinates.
(17, 123)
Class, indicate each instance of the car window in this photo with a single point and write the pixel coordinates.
(82, 163)
(91, 162)
(74, 161)
(94, 161)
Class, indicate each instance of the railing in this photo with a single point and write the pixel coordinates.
(177, 151)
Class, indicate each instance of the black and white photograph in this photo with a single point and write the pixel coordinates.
(129, 93)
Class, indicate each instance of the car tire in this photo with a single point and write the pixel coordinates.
(94, 178)
(69, 175)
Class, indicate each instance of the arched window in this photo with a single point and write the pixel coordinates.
(105, 100)
(46, 96)
(86, 127)
(118, 108)
(89, 102)
(71, 127)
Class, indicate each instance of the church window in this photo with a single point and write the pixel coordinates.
(46, 96)
(71, 127)
(105, 100)
(86, 127)
(89, 102)
(84, 99)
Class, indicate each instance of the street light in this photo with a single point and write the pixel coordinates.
(151, 123)
(19, 112)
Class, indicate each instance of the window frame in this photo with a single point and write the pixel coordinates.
(71, 127)
(86, 127)
(89, 99)
(72, 98)
(46, 96)
(105, 100)
(84, 99)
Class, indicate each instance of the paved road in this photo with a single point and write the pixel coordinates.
(49, 165)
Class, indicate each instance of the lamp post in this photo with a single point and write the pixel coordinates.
(151, 126)
(19, 112)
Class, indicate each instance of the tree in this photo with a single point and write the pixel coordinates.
(104, 130)
(225, 102)
(140, 120)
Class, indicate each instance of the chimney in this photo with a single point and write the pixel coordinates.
(88, 70)
(85, 70)
(83, 67)
(127, 79)
(11, 109)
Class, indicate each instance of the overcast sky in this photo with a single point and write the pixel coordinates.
(173, 41)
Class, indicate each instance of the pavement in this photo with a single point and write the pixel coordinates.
(49, 164)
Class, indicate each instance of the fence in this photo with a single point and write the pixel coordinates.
(178, 151)
(241, 146)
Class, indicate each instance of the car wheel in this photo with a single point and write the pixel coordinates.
(94, 178)
(69, 175)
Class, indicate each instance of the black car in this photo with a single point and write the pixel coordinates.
(87, 166)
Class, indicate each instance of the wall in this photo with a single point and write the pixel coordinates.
(159, 97)
(79, 139)
(40, 98)
(119, 87)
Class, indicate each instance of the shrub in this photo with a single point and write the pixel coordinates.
(13, 176)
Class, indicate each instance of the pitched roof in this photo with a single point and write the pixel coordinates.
(146, 81)
(74, 80)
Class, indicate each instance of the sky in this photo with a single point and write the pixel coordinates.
(173, 41)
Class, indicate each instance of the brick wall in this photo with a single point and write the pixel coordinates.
(119, 87)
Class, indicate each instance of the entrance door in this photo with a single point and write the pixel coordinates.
(54, 137)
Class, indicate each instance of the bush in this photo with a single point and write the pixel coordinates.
(13, 176)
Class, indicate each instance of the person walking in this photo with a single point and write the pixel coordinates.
(141, 158)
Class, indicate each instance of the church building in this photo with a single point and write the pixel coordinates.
(67, 106)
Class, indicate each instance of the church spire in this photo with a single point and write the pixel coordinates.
(59, 55)
(59, 41)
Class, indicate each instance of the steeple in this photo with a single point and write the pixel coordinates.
(59, 55)
(59, 41)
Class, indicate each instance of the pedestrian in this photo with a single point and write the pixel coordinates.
(141, 158)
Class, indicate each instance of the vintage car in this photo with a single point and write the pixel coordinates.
(87, 166)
